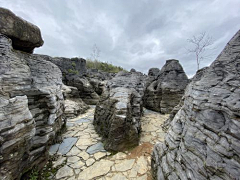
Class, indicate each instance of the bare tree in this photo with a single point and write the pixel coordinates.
(95, 53)
(200, 43)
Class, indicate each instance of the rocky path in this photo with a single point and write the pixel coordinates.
(81, 155)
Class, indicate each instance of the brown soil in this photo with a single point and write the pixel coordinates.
(144, 149)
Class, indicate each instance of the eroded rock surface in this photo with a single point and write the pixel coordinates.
(117, 119)
(202, 141)
(118, 113)
(31, 109)
(165, 89)
(25, 36)
(134, 79)
(89, 82)
(73, 103)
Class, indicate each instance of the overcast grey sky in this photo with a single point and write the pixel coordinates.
(136, 34)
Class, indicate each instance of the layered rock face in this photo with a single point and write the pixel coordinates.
(165, 89)
(117, 115)
(69, 66)
(197, 77)
(203, 140)
(89, 89)
(73, 103)
(25, 35)
(89, 82)
(99, 75)
(135, 80)
(31, 106)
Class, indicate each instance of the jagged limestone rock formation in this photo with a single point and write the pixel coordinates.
(117, 115)
(203, 139)
(25, 35)
(152, 75)
(88, 82)
(87, 88)
(69, 66)
(165, 89)
(31, 107)
(197, 77)
(117, 118)
(99, 75)
(135, 80)
(73, 103)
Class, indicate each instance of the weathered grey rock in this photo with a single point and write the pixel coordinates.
(197, 77)
(73, 103)
(31, 110)
(100, 75)
(154, 72)
(25, 36)
(135, 80)
(89, 82)
(165, 89)
(75, 74)
(74, 107)
(70, 67)
(117, 118)
(117, 115)
(133, 70)
(202, 141)
(87, 91)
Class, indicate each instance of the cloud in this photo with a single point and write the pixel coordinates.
(133, 34)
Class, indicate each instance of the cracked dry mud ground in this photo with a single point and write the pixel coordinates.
(81, 155)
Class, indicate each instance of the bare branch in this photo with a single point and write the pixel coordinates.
(200, 44)
(95, 53)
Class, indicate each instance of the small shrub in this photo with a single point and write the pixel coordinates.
(72, 71)
(103, 66)
(33, 175)
(74, 59)
(73, 64)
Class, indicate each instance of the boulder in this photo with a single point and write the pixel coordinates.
(135, 80)
(25, 36)
(165, 89)
(153, 72)
(117, 115)
(31, 109)
(133, 70)
(117, 118)
(202, 141)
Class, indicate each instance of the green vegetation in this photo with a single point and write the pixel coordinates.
(34, 175)
(74, 58)
(73, 64)
(103, 66)
(72, 71)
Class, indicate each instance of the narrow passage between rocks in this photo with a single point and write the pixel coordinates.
(81, 155)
